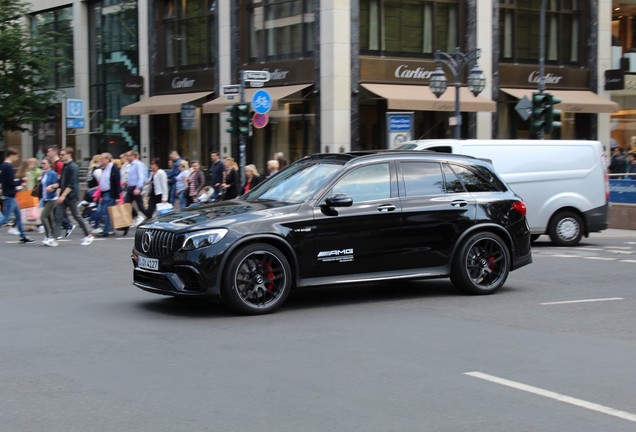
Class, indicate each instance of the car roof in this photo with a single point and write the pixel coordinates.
(395, 154)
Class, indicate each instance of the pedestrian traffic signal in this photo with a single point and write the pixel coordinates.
(540, 112)
(554, 116)
(233, 128)
(244, 120)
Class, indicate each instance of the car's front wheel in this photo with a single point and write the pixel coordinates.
(481, 265)
(257, 279)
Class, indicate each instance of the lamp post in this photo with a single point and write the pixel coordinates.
(455, 62)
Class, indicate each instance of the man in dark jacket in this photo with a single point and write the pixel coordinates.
(217, 169)
(9, 187)
(69, 194)
(110, 189)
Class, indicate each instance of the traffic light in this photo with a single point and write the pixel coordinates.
(540, 112)
(243, 114)
(233, 119)
(553, 122)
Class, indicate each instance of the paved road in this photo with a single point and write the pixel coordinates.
(83, 350)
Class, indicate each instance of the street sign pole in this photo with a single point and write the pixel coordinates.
(242, 137)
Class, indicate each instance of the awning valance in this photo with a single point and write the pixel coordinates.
(421, 98)
(163, 104)
(218, 105)
(581, 101)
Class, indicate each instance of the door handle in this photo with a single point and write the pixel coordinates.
(459, 203)
(386, 208)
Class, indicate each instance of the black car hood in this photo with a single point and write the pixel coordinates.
(216, 214)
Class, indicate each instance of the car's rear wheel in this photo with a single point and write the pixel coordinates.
(481, 265)
(566, 229)
(257, 279)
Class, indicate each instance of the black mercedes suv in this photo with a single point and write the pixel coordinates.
(332, 219)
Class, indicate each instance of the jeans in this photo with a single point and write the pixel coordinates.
(138, 199)
(172, 192)
(48, 217)
(60, 214)
(102, 211)
(183, 201)
(10, 206)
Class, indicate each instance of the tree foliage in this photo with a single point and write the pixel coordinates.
(26, 60)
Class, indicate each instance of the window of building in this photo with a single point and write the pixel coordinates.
(59, 24)
(280, 29)
(519, 31)
(188, 33)
(409, 27)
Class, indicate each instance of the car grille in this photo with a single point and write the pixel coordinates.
(162, 243)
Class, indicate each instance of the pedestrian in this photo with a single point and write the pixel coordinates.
(252, 178)
(10, 185)
(136, 181)
(272, 167)
(109, 191)
(53, 153)
(30, 172)
(216, 174)
(231, 183)
(282, 162)
(631, 165)
(159, 189)
(69, 194)
(172, 174)
(618, 164)
(196, 182)
(50, 190)
(182, 183)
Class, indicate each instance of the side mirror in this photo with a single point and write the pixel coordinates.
(339, 200)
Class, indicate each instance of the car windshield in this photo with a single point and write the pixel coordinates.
(298, 183)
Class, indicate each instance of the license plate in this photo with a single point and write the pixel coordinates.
(148, 263)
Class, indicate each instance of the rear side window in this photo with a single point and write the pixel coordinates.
(479, 180)
(422, 178)
(453, 185)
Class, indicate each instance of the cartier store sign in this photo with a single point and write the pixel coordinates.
(285, 72)
(184, 82)
(557, 78)
(404, 71)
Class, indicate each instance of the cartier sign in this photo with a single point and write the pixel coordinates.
(558, 78)
(403, 71)
(192, 81)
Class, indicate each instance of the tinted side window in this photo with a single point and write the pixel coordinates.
(472, 181)
(422, 178)
(368, 183)
(453, 185)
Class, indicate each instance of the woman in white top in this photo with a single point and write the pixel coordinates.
(158, 187)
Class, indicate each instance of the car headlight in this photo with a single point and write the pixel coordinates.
(203, 238)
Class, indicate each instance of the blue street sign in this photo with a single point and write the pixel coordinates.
(72, 123)
(261, 102)
(75, 108)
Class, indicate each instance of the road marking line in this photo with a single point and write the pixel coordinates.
(583, 301)
(622, 252)
(591, 249)
(556, 396)
(600, 258)
(619, 247)
(564, 256)
(629, 261)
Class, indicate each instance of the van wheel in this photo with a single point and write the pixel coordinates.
(566, 229)
(481, 265)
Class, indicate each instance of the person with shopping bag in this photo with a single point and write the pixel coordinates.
(109, 188)
(10, 184)
(159, 190)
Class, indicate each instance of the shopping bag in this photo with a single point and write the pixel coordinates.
(164, 208)
(30, 216)
(120, 215)
(25, 199)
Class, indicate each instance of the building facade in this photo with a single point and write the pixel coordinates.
(345, 75)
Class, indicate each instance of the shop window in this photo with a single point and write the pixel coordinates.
(519, 23)
(59, 24)
(188, 33)
(280, 29)
(409, 27)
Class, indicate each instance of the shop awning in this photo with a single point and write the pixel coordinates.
(218, 105)
(581, 101)
(421, 98)
(163, 104)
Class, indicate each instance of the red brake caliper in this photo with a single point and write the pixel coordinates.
(270, 275)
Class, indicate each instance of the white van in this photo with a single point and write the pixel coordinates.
(564, 183)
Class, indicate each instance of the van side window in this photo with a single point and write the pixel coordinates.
(473, 182)
(440, 149)
(367, 183)
(452, 183)
(422, 178)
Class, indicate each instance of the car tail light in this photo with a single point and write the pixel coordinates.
(520, 207)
